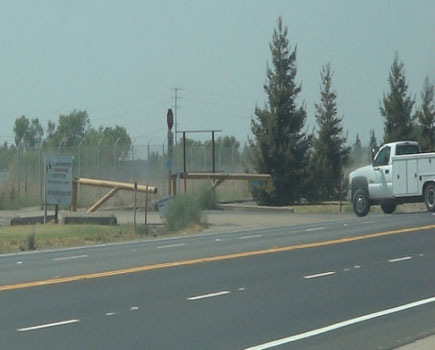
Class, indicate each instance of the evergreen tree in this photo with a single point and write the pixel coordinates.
(426, 117)
(357, 152)
(373, 145)
(397, 108)
(330, 153)
(280, 145)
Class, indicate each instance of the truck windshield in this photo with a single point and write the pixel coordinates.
(407, 149)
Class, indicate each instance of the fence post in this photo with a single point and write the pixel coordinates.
(18, 170)
(205, 157)
(163, 169)
(135, 206)
(39, 173)
(132, 162)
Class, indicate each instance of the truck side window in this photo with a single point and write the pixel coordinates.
(383, 157)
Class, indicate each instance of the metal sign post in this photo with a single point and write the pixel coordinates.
(170, 122)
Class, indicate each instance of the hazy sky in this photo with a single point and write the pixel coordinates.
(118, 60)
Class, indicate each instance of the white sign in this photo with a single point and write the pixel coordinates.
(163, 205)
(58, 179)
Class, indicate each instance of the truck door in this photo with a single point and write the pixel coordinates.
(380, 183)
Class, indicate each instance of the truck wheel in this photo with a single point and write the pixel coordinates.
(388, 208)
(361, 204)
(429, 197)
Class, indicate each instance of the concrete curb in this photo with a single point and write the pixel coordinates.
(422, 344)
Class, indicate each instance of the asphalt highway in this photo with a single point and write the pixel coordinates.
(350, 284)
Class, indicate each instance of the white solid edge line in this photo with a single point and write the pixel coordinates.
(209, 295)
(70, 257)
(400, 259)
(48, 325)
(320, 275)
(335, 326)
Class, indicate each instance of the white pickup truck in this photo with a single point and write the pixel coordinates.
(399, 174)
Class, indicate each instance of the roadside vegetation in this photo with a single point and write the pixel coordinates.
(186, 210)
(50, 236)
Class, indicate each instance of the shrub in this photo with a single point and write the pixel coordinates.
(30, 242)
(186, 210)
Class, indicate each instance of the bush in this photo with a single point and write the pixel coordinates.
(30, 242)
(186, 210)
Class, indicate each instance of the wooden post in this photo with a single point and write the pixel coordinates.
(45, 212)
(170, 182)
(146, 208)
(56, 213)
(174, 185)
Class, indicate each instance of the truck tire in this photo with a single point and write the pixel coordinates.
(361, 203)
(429, 197)
(388, 208)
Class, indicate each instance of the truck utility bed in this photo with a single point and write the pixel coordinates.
(410, 172)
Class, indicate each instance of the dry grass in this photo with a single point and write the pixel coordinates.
(19, 238)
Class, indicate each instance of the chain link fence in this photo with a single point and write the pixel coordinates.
(22, 171)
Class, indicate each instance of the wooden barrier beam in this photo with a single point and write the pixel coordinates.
(102, 200)
(223, 176)
(115, 184)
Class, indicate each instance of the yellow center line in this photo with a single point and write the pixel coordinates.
(208, 259)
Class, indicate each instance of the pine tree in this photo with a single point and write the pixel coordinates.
(280, 145)
(357, 152)
(397, 108)
(330, 153)
(373, 145)
(426, 117)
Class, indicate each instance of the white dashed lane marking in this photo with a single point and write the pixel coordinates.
(211, 295)
(70, 257)
(170, 246)
(320, 275)
(48, 325)
(248, 237)
(314, 229)
(400, 259)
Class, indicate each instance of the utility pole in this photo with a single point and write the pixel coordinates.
(175, 110)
